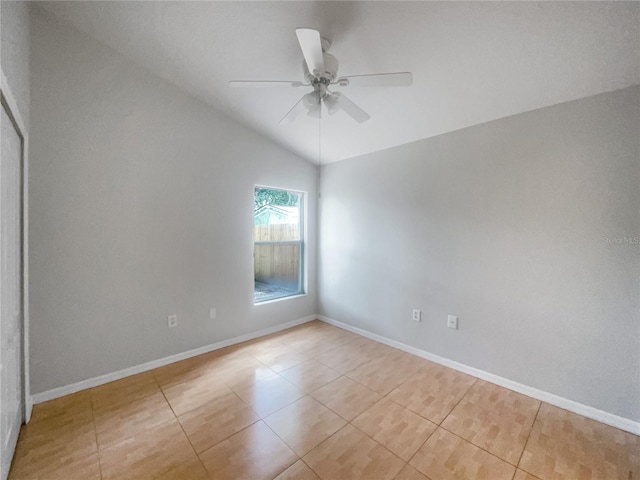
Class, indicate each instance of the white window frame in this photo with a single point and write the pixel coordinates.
(301, 246)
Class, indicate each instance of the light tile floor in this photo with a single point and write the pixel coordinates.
(314, 402)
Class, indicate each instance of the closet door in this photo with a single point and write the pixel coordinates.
(11, 320)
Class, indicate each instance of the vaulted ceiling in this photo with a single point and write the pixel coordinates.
(472, 61)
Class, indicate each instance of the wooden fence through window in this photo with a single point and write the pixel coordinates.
(277, 264)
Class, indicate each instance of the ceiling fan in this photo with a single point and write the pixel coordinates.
(320, 72)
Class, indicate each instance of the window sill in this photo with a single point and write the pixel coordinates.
(280, 299)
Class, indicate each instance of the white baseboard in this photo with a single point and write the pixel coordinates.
(110, 377)
(28, 409)
(616, 421)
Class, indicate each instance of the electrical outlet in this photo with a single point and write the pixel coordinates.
(417, 314)
(213, 313)
(452, 322)
(172, 321)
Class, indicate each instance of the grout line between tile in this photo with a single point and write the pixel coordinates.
(95, 433)
(309, 466)
(365, 434)
(478, 446)
(528, 437)
(298, 457)
(182, 428)
(458, 402)
(422, 445)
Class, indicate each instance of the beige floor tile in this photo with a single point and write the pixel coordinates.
(522, 475)
(243, 376)
(564, 446)
(226, 356)
(261, 346)
(322, 341)
(302, 336)
(310, 375)
(181, 371)
(385, 374)
(298, 471)
(78, 468)
(339, 336)
(255, 453)
(317, 346)
(350, 454)
(63, 407)
(304, 424)
(194, 393)
(395, 428)
(433, 391)
(346, 397)
(410, 473)
(217, 420)
(54, 443)
(67, 426)
(158, 452)
(355, 343)
(124, 391)
(190, 470)
(234, 359)
(347, 358)
(270, 395)
(279, 359)
(447, 457)
(230, 365)
(495, 419)
(305, 330)
(118, 423)
(378, 351)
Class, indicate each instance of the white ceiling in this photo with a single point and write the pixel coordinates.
(472, 61)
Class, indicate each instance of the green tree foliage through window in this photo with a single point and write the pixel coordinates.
(282, 198)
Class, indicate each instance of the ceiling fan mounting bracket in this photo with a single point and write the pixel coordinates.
(328, 75)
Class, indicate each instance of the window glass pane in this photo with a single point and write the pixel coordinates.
(276, 215)
(276, 270)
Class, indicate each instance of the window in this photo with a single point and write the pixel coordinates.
(278, 252)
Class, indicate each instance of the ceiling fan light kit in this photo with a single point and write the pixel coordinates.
(320, 70)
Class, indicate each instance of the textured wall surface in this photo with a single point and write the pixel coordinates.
(526, 228)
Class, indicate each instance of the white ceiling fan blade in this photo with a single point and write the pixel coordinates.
(350, 108)
(296, 110)
(311, 46)
(264, 83)
(397, 79)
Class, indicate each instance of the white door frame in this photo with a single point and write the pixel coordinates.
(12, 106)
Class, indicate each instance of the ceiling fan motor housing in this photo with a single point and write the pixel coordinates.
(326, 77)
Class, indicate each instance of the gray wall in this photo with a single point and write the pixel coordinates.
(141, 207)
(14, 52)
(504, 225)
